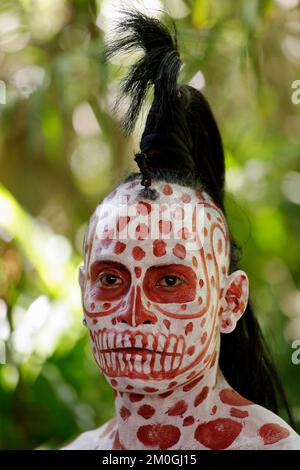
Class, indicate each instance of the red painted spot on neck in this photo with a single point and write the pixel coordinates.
(146, 411)
(166, 394)
(172, 384)
(159, 436)
(201, 396)
(218, 434)
(191, 374)
(191, 385)
(179, 408)
(188, 421)
(150, 389)
(125, 413)
(134, 397)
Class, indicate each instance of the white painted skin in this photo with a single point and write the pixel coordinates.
(164, 400)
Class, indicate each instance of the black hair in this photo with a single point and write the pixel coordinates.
(181, 143)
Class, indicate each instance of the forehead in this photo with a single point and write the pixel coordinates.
(183, 219)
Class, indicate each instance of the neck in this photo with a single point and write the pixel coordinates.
(167, 420)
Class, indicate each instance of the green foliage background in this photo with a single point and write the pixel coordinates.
(61, 151)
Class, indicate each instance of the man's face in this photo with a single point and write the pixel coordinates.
(154, 277)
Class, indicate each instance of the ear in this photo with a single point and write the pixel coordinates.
(81, 277)
(234, 300)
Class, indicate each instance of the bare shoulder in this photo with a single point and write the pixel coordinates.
(264, 430)
(95, 439)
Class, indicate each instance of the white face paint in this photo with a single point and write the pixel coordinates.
(155, 284)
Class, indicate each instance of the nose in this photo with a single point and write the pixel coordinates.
(136, 314)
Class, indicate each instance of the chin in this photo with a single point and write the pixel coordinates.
(136, 372)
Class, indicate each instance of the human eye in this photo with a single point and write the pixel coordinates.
(109, 279)
(170, 281)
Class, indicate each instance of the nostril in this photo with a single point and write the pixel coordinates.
(147, 322)
(124, 321)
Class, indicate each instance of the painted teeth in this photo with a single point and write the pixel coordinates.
(138, 365)
(161, 342)
(128, 356)
(180, 345)
(113, 361)
(119, 340)
(101, 341)
(138, 341)
(167, 364)
(127, 342)
(107, 339)
(104, 341)
(110, 341)
(150, 339)
(171, 344)
(157, 365)
(176, 362)
(108, 359)
(122, 363)
(147, 364)
(100, 361)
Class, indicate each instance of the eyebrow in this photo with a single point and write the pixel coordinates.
(108, 261)
(121, 265)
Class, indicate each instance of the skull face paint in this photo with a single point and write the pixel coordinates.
(155, 286)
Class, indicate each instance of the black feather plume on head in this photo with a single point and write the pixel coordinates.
(181, 137)
(159, 66)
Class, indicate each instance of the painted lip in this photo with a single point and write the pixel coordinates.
(130, 350)
(137, 351)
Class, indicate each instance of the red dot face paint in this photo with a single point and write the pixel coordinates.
(162, 273)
